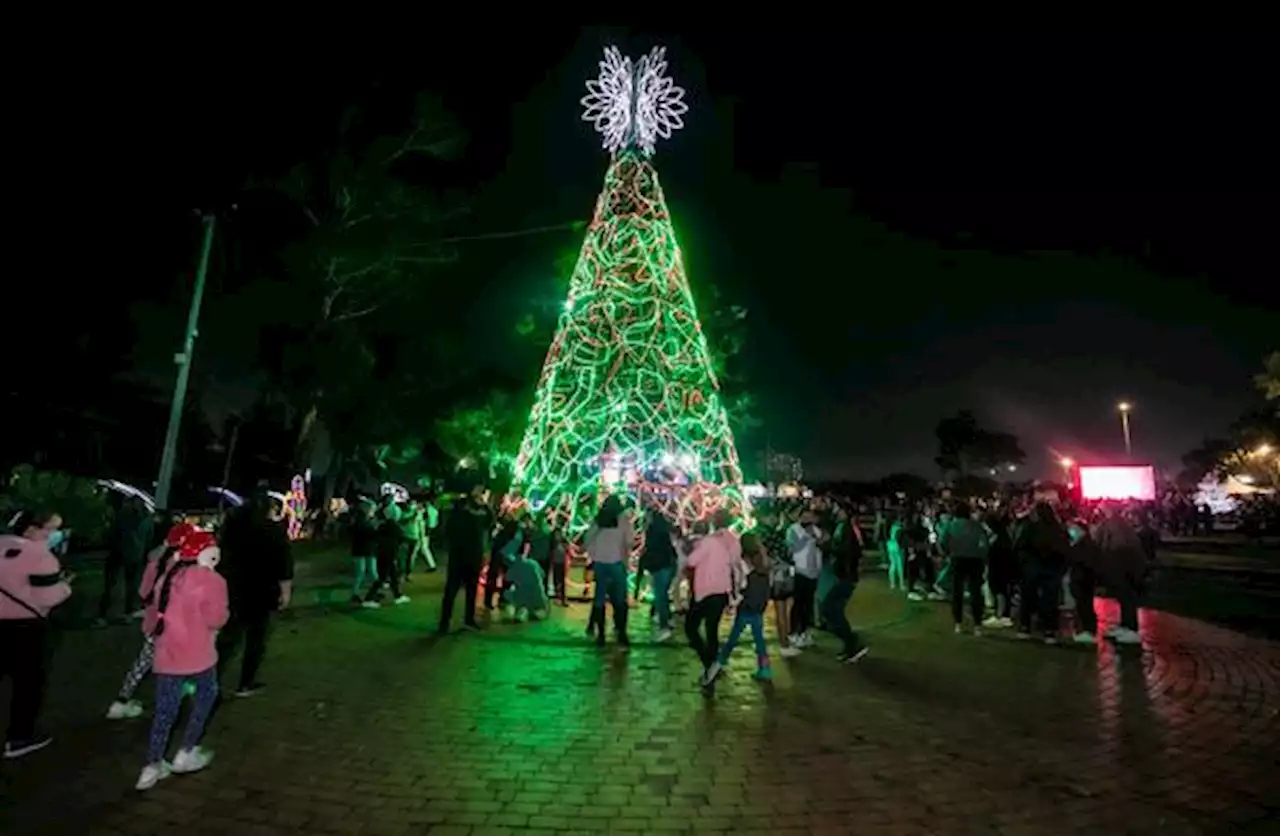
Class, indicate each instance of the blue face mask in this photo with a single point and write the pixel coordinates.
(55, 539)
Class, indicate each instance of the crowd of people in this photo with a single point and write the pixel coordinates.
(198, 597)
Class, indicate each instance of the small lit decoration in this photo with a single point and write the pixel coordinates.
(628, 401)
(1214, 494)
(295, 507)
(634, 103)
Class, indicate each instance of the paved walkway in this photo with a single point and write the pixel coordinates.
(369, 726)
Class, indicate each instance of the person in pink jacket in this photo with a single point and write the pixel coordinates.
(715, 568)
(190, 608)
(160, 561)
(31, 584)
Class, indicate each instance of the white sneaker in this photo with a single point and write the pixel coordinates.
(191, 760)
(152, 774)
(959, 629)
(371, 605)
(1006, 622)
(124, 710)
(789, 652)
(937, 596)
(138, 615)
(710, 674)
(914, 596)
(663, 636)
(1084, 637)
(1112, 631)
(1126, 636)
(993, 621)
(403, 599)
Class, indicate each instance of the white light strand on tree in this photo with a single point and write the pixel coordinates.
(634, 103)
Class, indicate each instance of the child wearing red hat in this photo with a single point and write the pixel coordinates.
(159, 562)
(191, 607)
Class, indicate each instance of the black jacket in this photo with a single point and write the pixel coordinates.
(467, 532)
(256, 557)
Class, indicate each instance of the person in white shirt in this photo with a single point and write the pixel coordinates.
(804, 539)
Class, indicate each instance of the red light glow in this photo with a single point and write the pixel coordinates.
(1138, 482)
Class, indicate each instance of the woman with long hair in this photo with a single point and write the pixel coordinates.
(608, 542)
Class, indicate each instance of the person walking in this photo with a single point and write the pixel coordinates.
(965, 542)
(755, 598)
(846, 554)
(364, 548)
(257, 562)
(389, 544)
(467, 534)
(191, 606)
(32, 583)
(713, 566)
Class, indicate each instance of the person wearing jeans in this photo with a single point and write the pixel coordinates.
(966, 542)
(659, 561)
(713, 566)
(609, 541)
(755, 598)
(191, 607)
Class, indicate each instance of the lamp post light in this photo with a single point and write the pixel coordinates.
(1125, 407)
(1067, 464)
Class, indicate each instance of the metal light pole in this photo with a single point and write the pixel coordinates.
(183, 359)
(1124, 407)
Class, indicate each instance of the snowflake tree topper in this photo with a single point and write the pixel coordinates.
(634, 103)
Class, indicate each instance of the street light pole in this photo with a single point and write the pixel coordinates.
(1124, 408)
(183, 360)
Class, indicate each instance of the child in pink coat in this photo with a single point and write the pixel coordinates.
(190, 608)
(159, 562)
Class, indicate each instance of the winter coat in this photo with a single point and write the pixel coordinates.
(30, 579)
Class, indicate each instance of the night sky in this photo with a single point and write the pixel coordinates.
(1033, 227)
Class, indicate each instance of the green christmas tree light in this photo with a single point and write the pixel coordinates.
(628, 400)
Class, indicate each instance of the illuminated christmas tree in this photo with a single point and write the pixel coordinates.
(628, 400)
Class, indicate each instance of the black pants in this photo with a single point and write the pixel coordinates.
(250, 625)
(460, 575)
(1040, 588)
(23, 644)
(495, 574)
(920, 568)
(1127, 588)
(388, 570)
(558, 570)
(806, 592)
(1001, 575)
(1083, 584)
(117, 565)
(704, 618)
(966, 573)
(833, 610)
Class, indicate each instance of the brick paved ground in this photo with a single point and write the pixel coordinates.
(369, 726)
